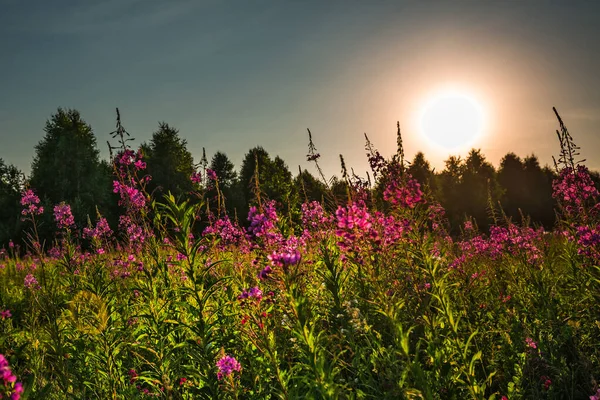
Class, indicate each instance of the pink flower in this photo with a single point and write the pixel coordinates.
(5, 314)
(210, 174)
(63, 216)
(530, 343)
(196, 177)
(227, 365)
(31, 283)
(30, 201)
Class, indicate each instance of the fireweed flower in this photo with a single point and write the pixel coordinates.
(227, 365)
(224, 229)
(5, 314)
(196, 177)
(63, 216)
(403, 193)
(30, 201)
(313, 216)
(139, 165)
(210, 174)
(575, 190)
(9, 380)
(30, 282)
(530, 343)
(130, 196)
(253, 294)
(263, 225)
(101, 231)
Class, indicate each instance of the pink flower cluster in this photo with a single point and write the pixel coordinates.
(127, 158)
(574, 188)
(30, 201)
(130, 196)
(210, 174)
(353, 222)
(405, 193)
(196, 177)
(135, 233)
(9, 380)
(314, 217)
(223, 228)
(227, 365)
(251, 294)
(517, 241)
(30, 282)
(101, 231)
(63, 216)
(263, 225)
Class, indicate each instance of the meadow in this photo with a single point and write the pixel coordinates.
(370, 298)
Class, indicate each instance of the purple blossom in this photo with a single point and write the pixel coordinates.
(530, 343)
(9, 379)
(130, 196)
(30, 201)
(196, 177)
(5, 314)
(252, 293)
(224, 229)
(227, 365)
(101, 231)
(210, 174)
(140, 165)
(30, 282)
(262, 225)
(63, 216)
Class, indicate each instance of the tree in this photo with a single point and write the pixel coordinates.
(66, 166)
(479, 187)
(311, 188)
(539, 203)
(228, 183)
(421, 170)
(224, 169)
(447, 190)
(168, 162)
(11, 185)
(274, 178)
(511, 176)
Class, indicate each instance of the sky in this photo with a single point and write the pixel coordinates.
(231, 75)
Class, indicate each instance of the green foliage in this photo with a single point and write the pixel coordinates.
(169, 162)
(11, 185)
(66, 167)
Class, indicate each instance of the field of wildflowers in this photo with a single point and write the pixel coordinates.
(370, 299)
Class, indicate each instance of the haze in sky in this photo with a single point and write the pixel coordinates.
(234, 74)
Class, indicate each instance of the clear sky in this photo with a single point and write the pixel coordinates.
(234, 74)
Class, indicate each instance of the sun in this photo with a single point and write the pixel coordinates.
(452, 120)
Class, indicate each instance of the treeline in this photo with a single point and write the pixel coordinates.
(67, 167)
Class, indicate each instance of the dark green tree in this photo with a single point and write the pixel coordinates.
(511, 176)
(228, 183)
(420, 169)
(479, 188)
(66, 167)
(539, 203)
(448, 191)
(11, 185)
(274, 180)
(224, 169)
(311, 188)
(169, 162)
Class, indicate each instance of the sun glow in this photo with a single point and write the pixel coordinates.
(452, 120)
